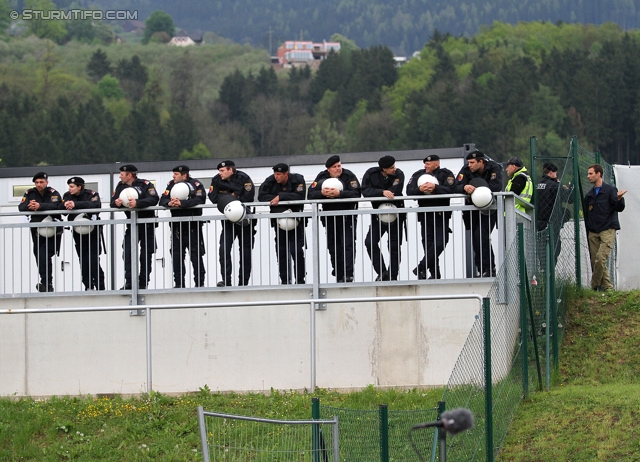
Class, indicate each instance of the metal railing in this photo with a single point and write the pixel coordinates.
(20, 276)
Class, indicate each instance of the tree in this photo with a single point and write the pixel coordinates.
(52, 29)
(5, 21)
(199, 151)
(133, 77)
(158, 21)
(109, 87)
(99, 65)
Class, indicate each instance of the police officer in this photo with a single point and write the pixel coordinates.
(434, 226)
(290, 239)
(186, 234)
(548, 189)
(519, 181)
(147, 197)
(230, 181)
(43, 198)
(341, 230)
(385, 180)
(480, 224)
(87, 243)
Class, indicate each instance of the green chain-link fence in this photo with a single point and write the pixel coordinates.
(514, 344)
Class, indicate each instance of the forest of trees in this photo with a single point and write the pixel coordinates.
(91, 103)
(404, 26)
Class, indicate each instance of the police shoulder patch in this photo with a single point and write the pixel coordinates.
(354, 183)
(591, 207)
(396, 181)
(460, 177)
(199, 192)
(493, 176)
(248, 186)
(152, 191)
(300, 187)
(314, 184)
(450, 180)
(55, 198)
(94, 198)
(166, 192)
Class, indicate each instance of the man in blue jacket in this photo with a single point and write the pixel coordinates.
(603, 203)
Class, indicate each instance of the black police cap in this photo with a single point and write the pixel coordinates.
(76, 180)
(386, 161)
(39, 176)
(181, 169)
(281, 168)
(226, 163)
(431, 158)
(332, 161)
(475, 155)
(129, 168)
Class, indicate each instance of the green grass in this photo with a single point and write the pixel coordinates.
(158, 427)
(592, 410)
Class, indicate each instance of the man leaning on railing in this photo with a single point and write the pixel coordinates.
(46, 240)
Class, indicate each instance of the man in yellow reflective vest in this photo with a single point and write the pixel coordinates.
(519, 181)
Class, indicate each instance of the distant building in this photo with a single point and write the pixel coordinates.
(185, 41)
(300, 53)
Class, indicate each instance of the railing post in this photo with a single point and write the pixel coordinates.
(524, 334)
(553, 299)
(547, 300)
(315, 434)
(383, 413)
(488, 383)
(576, 209)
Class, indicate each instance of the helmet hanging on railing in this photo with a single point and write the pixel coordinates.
(482, 197)
(83, 229)
(48, 231)
(233, 209)
(287, 224)
(388, 217)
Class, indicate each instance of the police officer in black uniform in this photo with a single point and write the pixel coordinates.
(286, 186)
(480, 224)
(434, 226)
(147, 197)
(186, 234)
(238, 184)
(43, 198)
(341, 229)
(87, 244)
(385, 180)
(548, 191)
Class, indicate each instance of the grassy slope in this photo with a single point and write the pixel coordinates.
(593, 409)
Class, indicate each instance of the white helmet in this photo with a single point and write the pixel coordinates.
(126, 194)
(84, 229)
(235, 211)
(332, 183)
(387, 217)
(482, 197)
(427, 178)
(287, 224)
(49, 231)
(180, 191)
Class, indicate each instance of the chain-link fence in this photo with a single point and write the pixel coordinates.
(515, 342)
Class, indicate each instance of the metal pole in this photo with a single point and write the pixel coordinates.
(315, 292)
(553, 299)
(547, 332)
(576, 209)
(532, 157)
(336, 440)
(203, 435)
(524, 334)
(315, 434)
(383, 413)
(488, 381)
(149, 366)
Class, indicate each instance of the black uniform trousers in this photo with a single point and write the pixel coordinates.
(341, 234)
(481, 226)
(146, 238)
(372, 243)
(88, 250)
(555, 241)
(435, 237)
(291, 243)
(187, 235)
(245, 234)
(44, 248)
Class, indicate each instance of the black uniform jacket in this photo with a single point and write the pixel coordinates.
(374, 183)
(294, 190)
(48, 200)
(350, 189)
(147, 197)
(238, 184)
(446, 185)
(197, 196)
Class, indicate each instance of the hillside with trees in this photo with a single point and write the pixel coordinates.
(403, 26)
(81, 102)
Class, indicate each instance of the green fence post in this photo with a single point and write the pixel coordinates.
(524, 334)
(488, 383)
(553, 299)
(547, 318)
(315, 434)
(532, 157)
(383, 412)
(598, 158)
(576, 208)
